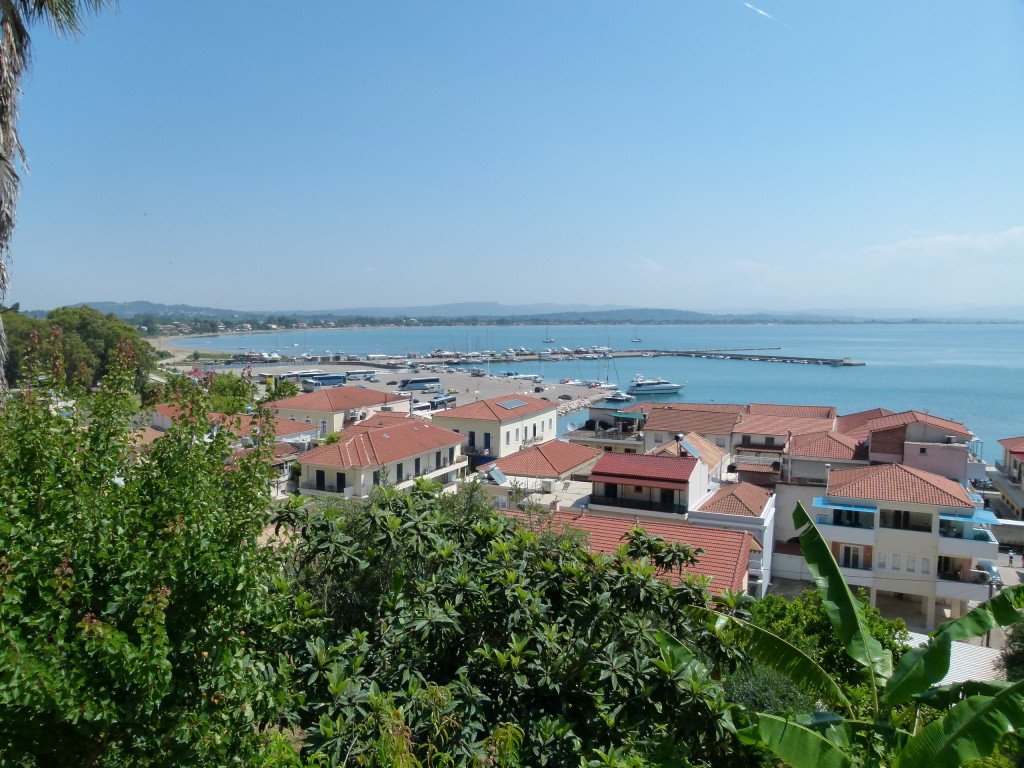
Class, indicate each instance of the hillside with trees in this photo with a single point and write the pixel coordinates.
(156, 610)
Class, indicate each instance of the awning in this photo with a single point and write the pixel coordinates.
(629, 416)
(979, 516)
(821, 502)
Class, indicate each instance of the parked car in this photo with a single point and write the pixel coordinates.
(565, 397)
(989, 573)
(392, 384)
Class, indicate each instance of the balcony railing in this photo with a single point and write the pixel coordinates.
(641, 504)
(604, 434)
(969, 534)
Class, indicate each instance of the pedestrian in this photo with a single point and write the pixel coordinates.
(1011, 558)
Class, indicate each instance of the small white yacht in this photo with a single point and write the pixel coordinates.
(641, 385)
(619, 397)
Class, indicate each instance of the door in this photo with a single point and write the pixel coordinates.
(611, 490)
(321, 479)
(667, 497)
(472, 439)
(850, 557)
(340, 480)
(416, 471)
(487, 441)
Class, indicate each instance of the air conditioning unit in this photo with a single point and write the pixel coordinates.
(949, 439)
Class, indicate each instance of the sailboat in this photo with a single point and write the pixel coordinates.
(636, 335)
(547, 336)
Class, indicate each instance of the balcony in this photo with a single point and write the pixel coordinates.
(848, 528)
(640, 504)
(950, 587)
(610, 435)
(967, 541)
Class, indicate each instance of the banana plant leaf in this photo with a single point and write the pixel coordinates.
(843, 609)
(922, 667)
(795, 744)
(948, 696)
(772, 651)
(967, 732)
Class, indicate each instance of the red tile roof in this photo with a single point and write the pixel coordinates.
(780, 425)
(1012, 444)
(681, 421)
(898, 483)
(492, 410)
(853, 422)
(638, 466)
(827, 445)
(803, 411)
(381, 419)
(706, 451)
(740, 499)
(145, 435)
(726, 552)
(551, 459)
(337, 399)
(241, 424)
(897, 420)
(757, 469)
(377, 447)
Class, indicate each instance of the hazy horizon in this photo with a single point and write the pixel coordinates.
(723, 157)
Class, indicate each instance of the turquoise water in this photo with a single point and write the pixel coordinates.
(970, 373)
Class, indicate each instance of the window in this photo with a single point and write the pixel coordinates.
(517, 434)
(926, 567)
(745, 440)
(472, 439)
(451, 454)
(895, 562)
(769, 442)
(850, 556)
(508, 437)
(534, 431)
(911, 564)
(638, 488)
(416, 471)
(923, 451)
(376, 477)
(487, 441)
(880, 560)
(437, 459)
(398, 472)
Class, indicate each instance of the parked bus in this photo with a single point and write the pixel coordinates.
(442, 402)
(421, 408)
(361, 375)
(421, 384)
(323, 381)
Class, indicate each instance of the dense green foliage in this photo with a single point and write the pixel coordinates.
(137, 609)
(86, 340)
(465, 630)
(805, 618)
(230, 393)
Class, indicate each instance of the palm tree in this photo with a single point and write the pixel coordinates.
(16, 17)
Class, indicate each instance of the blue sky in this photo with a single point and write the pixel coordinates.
(713, 155)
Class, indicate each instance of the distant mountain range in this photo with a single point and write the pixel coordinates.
(544, 313)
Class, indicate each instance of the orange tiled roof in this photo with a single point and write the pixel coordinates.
(726, 552)
(492, 410)
(827, 445)
(804, 411)
(739, 499)
(336, 399)
(1012, 444)
(640, 467)
(853, 422)
(897, 420)
(759, 469)
(898, 483)
(707, 451)
(551, 459)
(241, 424)
(377, 447)
(780, 425)
(681, 421)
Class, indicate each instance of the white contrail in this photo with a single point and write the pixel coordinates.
(764, 13)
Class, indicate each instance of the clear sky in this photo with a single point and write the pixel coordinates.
(711, 154)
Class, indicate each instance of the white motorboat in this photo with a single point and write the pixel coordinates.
(641, 385)
(619, 397)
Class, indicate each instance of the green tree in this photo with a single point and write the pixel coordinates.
(284, 388)
(477, 641)
(949, 724)
(139, 614)
(16, 17)
(230, 393)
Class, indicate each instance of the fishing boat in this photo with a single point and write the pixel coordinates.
(641, 385)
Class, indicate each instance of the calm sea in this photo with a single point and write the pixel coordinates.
(970, 373)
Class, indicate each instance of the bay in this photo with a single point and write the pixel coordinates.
(973, 373)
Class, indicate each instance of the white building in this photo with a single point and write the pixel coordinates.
(500, 426)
